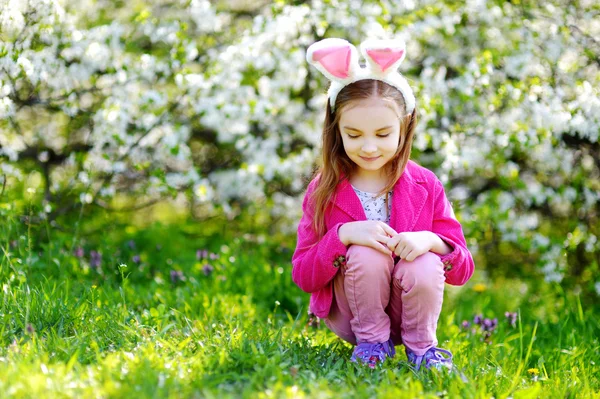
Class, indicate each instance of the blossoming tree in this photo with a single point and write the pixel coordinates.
(217, 107)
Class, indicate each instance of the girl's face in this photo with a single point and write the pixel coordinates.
(370, 132)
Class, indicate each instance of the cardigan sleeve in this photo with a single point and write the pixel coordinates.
(315, 261)
(458, 264)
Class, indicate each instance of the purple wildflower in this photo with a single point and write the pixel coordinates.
(213, 256)
(207, 269)
(489, 324)
(136, 259)
(131, 244)
(201, 254)
(512, 318)
(95, 259)
(30, 328)
(465, 324)
(79, 252)
(176, 276)
(478, 319)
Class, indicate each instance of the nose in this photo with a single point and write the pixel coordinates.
(368, 147)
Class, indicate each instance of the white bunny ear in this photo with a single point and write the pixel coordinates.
(383, 59)
(337, 59)
(383, 56)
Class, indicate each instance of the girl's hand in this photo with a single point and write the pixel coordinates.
(370, 233)
(410, 244)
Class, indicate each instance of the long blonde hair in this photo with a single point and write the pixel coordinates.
(335, 162)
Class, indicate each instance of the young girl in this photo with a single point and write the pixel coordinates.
(378, 237)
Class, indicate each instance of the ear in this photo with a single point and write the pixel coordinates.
(383, 56)
(337, 59)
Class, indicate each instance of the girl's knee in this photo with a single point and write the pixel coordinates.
(362, 256)
(426, 272)
(429, 259)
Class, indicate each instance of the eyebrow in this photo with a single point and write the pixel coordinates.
(356, 130)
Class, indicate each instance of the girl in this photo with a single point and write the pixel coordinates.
(378, 237)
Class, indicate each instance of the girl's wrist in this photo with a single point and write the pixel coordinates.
(437, 245)
(342, 234)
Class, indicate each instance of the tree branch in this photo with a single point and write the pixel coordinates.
(104, 205)
(109, 176)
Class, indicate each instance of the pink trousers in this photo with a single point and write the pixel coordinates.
(376, 299)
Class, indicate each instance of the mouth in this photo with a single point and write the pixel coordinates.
(370, 159)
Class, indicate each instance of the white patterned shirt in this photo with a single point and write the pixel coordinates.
(375, 207)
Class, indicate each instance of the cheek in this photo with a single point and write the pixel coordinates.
(396, 142)
(391, 144)
(350, 145)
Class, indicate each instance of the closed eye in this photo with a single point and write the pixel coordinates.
(379, 135)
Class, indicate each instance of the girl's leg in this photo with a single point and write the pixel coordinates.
(339, 317)
(416, 302)
(340, 314)
(362, 292)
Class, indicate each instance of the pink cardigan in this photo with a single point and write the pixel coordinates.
(418, 203)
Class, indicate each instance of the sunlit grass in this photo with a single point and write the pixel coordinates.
(153, 320)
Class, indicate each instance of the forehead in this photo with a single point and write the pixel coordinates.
(377, 110)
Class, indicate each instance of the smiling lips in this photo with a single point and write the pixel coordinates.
(370, 159)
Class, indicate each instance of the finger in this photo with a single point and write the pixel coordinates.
(400, 248)
(382, 238)
(405, 252)
(388, 229)
(385, 240)
(397, 251)
(401, 239)
(411, 256)
(392, 243)
(381, 247)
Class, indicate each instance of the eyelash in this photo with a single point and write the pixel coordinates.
(353, 137)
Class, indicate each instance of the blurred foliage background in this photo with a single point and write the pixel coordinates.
(206, 114)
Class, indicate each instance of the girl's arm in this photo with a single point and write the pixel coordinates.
(458, 264)
(315, 262)
(439, 246)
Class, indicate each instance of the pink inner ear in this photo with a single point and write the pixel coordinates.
(385, 57)
(335, 60)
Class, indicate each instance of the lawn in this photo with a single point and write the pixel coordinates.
(177, 310)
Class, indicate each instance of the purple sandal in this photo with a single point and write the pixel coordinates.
(373, 353)
(434, 357)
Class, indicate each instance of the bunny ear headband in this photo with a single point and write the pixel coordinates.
(337, 59)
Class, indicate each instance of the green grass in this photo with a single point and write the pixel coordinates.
(241, 329)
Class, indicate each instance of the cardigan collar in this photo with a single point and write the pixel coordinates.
(408, 199)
